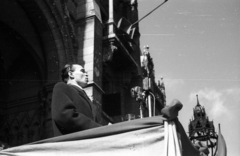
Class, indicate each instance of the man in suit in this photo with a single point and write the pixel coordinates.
(71, 107)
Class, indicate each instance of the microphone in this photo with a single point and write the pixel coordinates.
(137, 92)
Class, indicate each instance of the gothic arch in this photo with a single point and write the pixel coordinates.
(35, 44)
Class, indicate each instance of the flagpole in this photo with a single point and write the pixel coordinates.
(149, 13)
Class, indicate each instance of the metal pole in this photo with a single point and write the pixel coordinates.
(149, 99)
(111, 12)
(141, 110)
(149, 13)
(149, 106)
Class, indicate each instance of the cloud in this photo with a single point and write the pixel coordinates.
(217, 102)
(235, 92)
(173, 84)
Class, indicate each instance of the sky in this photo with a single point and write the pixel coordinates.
(195, 46)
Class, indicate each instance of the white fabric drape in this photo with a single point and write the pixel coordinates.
(172, 140)
(142, 137)
(140, 142)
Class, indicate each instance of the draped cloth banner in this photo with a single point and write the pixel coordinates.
(149, 136)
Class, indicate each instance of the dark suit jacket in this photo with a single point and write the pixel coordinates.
(71, 110)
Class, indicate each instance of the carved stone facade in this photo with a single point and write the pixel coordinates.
(38, 37)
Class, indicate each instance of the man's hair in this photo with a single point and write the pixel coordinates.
(64, 73)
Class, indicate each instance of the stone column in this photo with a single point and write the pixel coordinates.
(88, 28)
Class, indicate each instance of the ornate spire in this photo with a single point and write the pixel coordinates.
(197, 101)
(201, 130)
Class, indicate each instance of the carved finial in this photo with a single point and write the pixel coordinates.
(197, 101)
(146, 49)
(162, 83)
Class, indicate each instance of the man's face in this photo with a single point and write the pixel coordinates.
(79, 75)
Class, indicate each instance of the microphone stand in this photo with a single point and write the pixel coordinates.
(140, 97)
